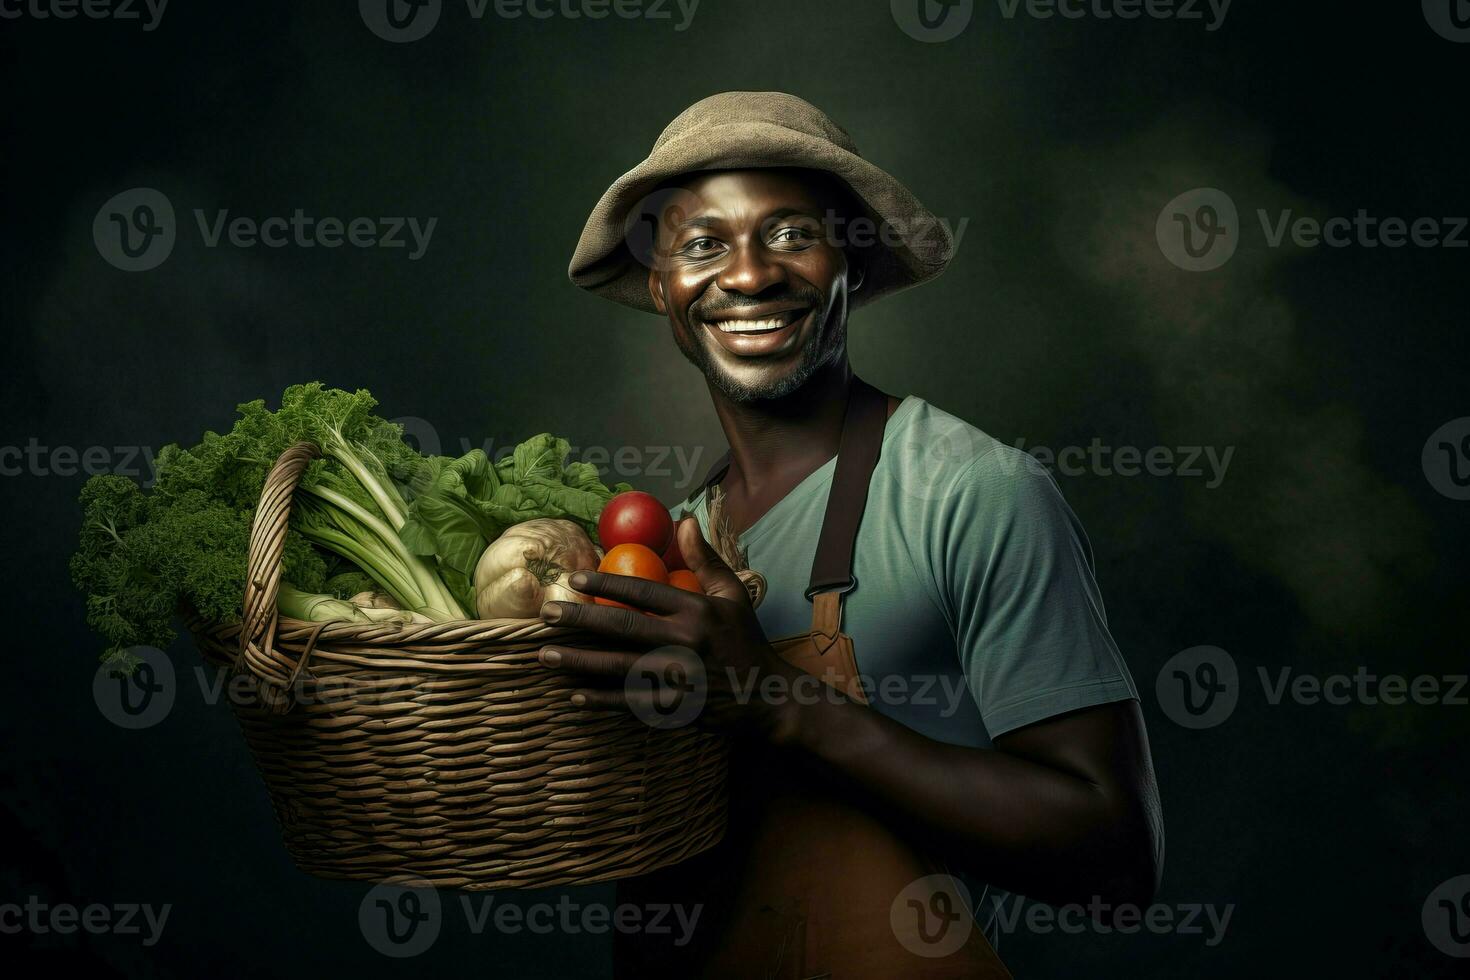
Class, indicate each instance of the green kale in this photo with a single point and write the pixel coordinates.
(141, 559)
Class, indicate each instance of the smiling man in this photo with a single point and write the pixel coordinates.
(978, 732)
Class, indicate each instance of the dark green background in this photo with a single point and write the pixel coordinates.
(1059, 142)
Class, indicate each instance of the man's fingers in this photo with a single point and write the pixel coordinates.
(714, 575)
(600, 663)
(625, 624)
(600, 700)
(641, 592)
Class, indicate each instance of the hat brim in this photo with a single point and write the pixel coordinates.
(909, 245)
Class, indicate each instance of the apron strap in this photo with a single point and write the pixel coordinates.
(857, 455)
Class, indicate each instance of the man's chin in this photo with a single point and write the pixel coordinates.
(757, 385)
(760, 379)
(753, 379)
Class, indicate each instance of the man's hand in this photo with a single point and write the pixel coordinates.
(715, 637)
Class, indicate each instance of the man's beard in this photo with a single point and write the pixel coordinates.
(826, 344)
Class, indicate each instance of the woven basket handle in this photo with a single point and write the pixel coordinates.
(263, 569)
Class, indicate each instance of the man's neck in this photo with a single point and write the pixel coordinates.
(777, 443)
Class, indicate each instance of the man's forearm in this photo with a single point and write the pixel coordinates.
(1051, 834)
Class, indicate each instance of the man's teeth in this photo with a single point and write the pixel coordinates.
(751, 326)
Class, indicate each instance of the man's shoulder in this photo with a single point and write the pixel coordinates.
(936, 453)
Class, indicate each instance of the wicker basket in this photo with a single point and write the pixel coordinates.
(447, 752)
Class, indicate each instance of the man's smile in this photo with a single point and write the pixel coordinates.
(758, 331)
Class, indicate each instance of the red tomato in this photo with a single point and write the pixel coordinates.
(673, 557)
(635, 517)
(684, 579)
(635, 560)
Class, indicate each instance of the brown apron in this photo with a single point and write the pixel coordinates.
(810, 883)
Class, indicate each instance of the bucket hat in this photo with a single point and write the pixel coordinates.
(743, 130)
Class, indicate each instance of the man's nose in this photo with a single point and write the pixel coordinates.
(751, 271)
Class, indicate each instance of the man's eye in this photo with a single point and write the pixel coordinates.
(701, 246)
(791, 236)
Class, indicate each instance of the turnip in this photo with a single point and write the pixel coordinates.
(528, 565)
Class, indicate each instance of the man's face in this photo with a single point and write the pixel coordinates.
(750, 280)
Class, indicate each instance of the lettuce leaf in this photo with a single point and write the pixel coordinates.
(469, 502)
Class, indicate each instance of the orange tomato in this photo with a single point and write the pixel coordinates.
(684, 579)
(635, 560)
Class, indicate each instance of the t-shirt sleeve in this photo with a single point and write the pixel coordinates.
(1016, 581)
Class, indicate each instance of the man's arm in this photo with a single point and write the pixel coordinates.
(1064, 810)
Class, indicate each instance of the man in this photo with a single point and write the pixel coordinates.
(966, 573)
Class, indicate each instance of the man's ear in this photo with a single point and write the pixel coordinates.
(656, 291)
(856, 275)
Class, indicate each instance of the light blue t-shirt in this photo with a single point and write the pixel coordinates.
(975, 611)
